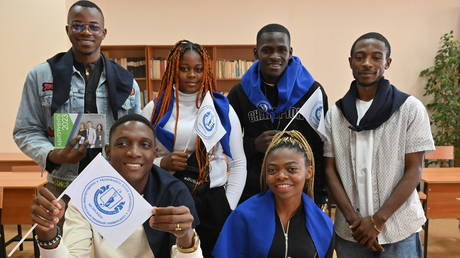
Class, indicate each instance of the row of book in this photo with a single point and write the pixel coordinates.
(227, 69)
(136, 65)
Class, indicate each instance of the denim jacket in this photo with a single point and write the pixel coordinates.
(34, 121)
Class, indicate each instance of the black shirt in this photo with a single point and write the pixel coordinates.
(299, 241)
(91, 73)
(271, 92)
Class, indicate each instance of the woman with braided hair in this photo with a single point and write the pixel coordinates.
(283, 220)
(185, 82)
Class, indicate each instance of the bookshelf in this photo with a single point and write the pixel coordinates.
(147, 63)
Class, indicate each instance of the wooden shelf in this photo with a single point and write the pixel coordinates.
(149, 84)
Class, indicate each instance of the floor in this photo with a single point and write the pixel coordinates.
(444, 240)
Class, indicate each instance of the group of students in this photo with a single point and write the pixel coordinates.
(257, 192)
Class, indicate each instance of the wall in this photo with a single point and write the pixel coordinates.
(28, 37)
(322, 31)
(322, 34)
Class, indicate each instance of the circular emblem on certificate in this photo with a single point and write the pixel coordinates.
(315, 114)
(107, 201)
(206, 122)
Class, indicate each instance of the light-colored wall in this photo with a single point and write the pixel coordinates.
(322, 34)
(322, 31)
(31, 32)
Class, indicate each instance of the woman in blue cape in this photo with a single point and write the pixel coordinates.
(186, 81)
(282, 221)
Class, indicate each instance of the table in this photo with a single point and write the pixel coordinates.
(442, 189)
(17, 162)
(17, 190)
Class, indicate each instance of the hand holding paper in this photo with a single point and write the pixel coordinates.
(175, 220)
(108, 201)
(104, 198)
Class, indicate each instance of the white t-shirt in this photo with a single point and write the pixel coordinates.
(364, 143)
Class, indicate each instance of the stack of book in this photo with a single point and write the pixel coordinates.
(228, 69)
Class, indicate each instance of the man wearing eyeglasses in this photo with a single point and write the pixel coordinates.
(80, 80)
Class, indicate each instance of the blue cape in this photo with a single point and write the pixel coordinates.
(292, 86)
(250, 228)
(222, 107)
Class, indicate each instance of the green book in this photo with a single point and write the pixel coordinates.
(91, 127)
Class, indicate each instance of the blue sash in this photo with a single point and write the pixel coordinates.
(249, 230)
(293, 84)
(222, 107)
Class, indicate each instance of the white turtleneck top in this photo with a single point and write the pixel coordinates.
(235, 179)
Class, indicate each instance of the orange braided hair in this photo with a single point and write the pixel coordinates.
(165, 93)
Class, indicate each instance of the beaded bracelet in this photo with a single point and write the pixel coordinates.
(52, 241)
(375, 225)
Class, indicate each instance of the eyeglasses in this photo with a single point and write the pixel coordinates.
(80, 27)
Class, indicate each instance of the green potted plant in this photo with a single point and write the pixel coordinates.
(443, 84)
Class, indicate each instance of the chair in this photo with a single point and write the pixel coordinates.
(441, 155)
